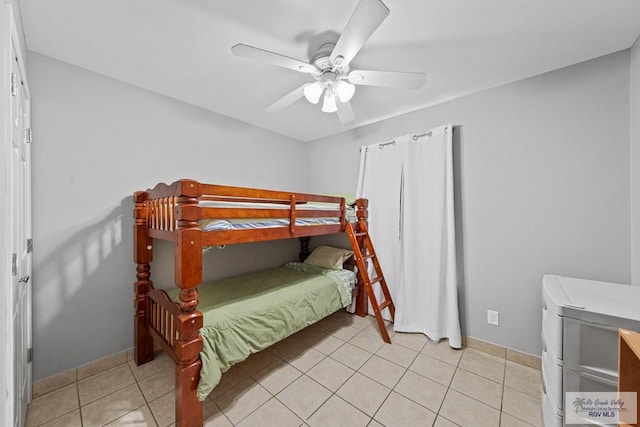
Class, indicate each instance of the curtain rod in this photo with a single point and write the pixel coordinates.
(415, 138)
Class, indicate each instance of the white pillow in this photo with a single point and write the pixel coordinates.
(328, 257)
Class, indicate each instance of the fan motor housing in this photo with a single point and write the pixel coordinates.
(322, 60)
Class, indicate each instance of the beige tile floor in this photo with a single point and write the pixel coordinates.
(337, 372)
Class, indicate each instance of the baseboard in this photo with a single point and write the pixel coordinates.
(504, 352)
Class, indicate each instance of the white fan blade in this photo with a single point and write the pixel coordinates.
(396, 79)
(345, 112)
(272, 58)
(287, 100)
(367, 17)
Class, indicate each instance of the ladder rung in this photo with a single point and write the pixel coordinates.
(376, 280)
(384, 305)
(360, 234)
(368, 256)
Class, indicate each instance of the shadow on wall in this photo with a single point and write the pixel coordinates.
(83, 290)
(82, 305)
(459, 226)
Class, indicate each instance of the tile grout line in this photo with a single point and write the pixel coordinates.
(111, 394)
(252, 412)
(321, 405)
(515, 416)
(471, 397)
(504, 380)
(443, 399)
(449, 388)
(381, 405)
(360, 367)
(119, 389)
(338, 397)
(79, 405)
(410, 399)
(147, 402)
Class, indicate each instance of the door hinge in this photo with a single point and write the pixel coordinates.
(28, 137)
(14, 85)
(29, 246)
(29, 355)
(14, 264)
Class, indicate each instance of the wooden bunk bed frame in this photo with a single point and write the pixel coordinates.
(172, 213)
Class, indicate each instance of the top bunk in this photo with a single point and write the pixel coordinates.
(220, 215)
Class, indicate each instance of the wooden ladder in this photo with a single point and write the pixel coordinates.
(364, 251)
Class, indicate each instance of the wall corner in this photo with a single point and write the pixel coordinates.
(634, 159)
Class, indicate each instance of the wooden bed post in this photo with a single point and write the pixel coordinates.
(188, 347)
(362, 304)
(142, 256)
(188, 275)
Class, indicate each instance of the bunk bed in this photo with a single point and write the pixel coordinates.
(195, 216)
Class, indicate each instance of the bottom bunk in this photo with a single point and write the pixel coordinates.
(245, 314)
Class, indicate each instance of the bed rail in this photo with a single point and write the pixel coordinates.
(169, 324)
(192, 189)
(161, 213)
(161, 316)
(165, 210)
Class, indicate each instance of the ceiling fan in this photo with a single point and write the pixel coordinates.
(329, 66)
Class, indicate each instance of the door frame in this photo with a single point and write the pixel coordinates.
(6, 352)
(9, 35)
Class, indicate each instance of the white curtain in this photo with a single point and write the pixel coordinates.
(409, 184)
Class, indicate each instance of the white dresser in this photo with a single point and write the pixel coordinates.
(580, 319)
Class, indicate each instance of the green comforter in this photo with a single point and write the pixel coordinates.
(245, 314)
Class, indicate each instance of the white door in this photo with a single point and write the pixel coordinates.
(20, 232)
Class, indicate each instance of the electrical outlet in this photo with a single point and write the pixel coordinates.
(493, 318)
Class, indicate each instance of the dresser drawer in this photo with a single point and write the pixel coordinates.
(574, 381)
(591, 348)
(552, 328)
(552, 375)
(550, 418)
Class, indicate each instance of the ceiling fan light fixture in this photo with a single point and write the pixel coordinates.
(330, 67)
(329, 104)
(313, 91)
(345, 91)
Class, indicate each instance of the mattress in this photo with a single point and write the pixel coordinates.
(245, 314)
(254, 223)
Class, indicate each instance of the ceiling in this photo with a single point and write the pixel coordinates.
(181, 48)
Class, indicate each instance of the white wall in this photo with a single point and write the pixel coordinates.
(96, 141)
(542, 175)
(634, 118)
